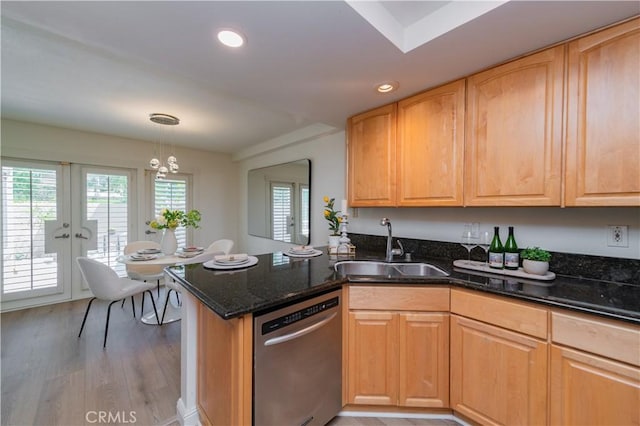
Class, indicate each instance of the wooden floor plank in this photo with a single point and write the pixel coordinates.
(49, 376)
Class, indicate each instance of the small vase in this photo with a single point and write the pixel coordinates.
(169, 243)
(535, 267)
(334, 241)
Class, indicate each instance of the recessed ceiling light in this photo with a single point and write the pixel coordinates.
(230, 38)
(387, 86)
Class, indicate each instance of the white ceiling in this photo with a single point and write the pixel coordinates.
(307, 66)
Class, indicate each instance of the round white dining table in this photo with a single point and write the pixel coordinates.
(173, 309)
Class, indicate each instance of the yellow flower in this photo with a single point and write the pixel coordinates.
(332, 216)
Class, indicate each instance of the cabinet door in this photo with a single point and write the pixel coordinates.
(498, 377)
(431, 147)
(514, 133)
(373, 358)
(371, 143)
(603, 129)
(423, 360)
(590, 390)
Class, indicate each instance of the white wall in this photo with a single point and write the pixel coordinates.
(570, 230)
(214, 185)
(220, 193)
(327, 178)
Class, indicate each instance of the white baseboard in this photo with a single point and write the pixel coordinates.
(402, 415)
(187, 417)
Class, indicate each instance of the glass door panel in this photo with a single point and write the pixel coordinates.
(105, 217)
(35, 236)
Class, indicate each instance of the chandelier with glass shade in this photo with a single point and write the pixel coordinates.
(171, 164)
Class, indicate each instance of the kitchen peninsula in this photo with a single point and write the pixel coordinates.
(579, 320)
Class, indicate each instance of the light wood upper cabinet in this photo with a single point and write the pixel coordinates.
(514, 132)
(430, 147)
(603, 125)
(371, 151)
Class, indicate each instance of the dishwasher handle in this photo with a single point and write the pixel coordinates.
(300, 333)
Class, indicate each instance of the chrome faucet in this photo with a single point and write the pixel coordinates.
(391, 251)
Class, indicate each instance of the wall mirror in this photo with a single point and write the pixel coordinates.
(279, 202)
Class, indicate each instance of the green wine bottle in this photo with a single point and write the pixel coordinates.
(496, 251)
(511, 253)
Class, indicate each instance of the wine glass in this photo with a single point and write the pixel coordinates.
(469, 242)
(485, 242)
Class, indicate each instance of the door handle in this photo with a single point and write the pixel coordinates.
(79, 235)
(149, 232)
(300, 333)
(62, 236)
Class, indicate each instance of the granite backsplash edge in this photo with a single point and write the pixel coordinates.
(576, 265)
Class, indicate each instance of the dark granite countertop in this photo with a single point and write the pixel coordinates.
(278, 279)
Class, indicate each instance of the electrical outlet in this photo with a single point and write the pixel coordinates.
(617, 236)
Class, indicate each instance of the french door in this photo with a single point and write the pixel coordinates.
(53, 213)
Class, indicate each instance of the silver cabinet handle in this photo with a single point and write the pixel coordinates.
(149, 232)
(62, 236)
(79, 235)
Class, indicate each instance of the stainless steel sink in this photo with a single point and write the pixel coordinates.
(389, 270)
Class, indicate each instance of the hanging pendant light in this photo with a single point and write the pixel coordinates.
(171, 165)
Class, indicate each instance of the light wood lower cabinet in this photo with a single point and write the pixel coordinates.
(595, 371)
(396, 354)
(373, 358)
(398, 359)
(499, 361)
(498, 377)
(591, 390)
(225, 365)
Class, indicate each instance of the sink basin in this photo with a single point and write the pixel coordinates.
(388, 270)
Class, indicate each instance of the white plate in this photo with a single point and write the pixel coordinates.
(212, 264)
(191, 249)
(302, 250)
(189, 253)
(312, 254)
(143, 257)
(149, 251)
(231, 259)
(231, 262)
(309, 251)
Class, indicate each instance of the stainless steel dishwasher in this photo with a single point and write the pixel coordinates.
(297, 364)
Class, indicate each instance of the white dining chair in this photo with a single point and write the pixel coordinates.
(144, 272)
(223, 245)
(105, 284)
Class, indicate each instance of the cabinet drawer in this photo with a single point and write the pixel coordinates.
(608, 338)
(516, 316)
(399, 298)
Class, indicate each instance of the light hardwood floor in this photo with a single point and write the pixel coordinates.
(50, 377)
